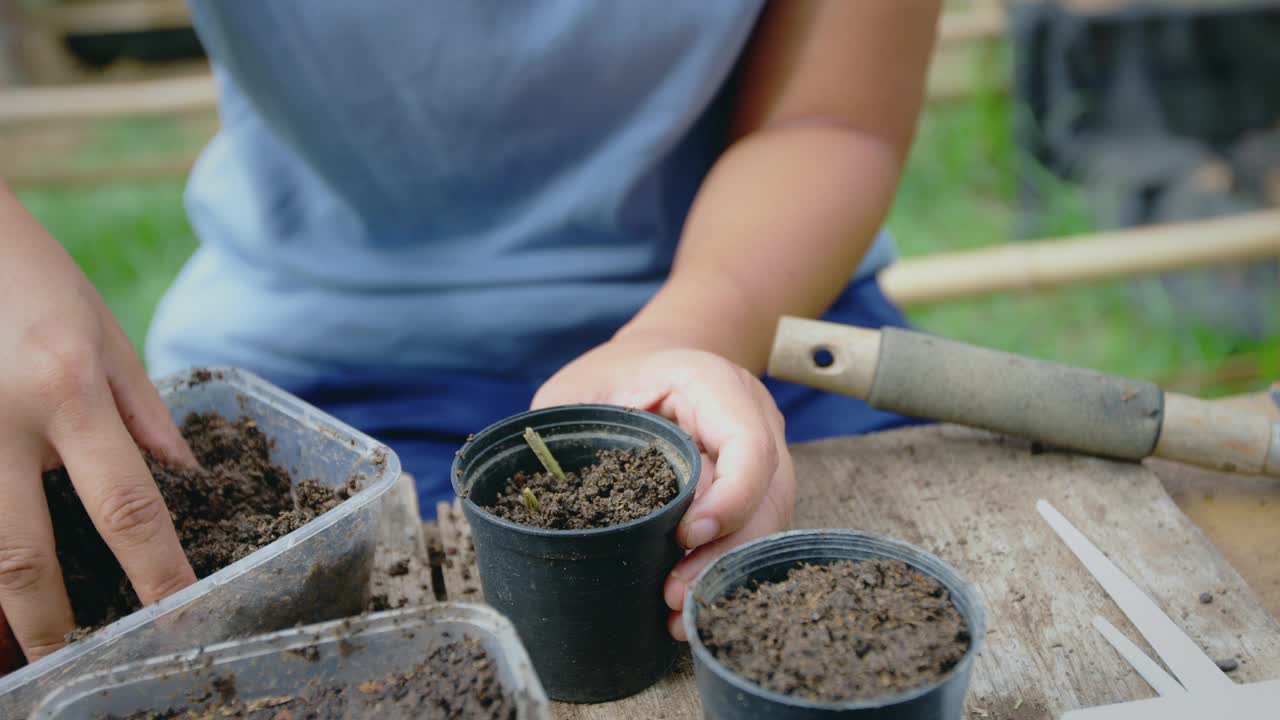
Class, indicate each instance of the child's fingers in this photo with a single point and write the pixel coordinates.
(773, 515)
(769, 519)
(740, 435)
(716, 402)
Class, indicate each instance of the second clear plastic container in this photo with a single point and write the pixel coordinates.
(318, 572)
(345, 652)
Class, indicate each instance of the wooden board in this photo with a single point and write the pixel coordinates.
(89, 152)
(44, 27)
(1240, 514)
(969, 496)
(461, 578)
(401, 567)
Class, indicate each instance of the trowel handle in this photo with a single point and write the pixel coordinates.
(929, 377)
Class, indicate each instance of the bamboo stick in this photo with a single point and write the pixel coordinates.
(1037, 265)
(108, 100)
(985, 22)
(197, 92)
(65, 175)
(117, 16)
(950, 83)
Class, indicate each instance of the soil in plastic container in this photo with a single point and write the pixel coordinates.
(236, 502)
(457, 680)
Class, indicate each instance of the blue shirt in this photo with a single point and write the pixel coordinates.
(470, 186)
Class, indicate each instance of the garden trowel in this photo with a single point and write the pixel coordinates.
(933, 378)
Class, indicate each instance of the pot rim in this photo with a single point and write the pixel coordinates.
(975, 618)
(529, 418)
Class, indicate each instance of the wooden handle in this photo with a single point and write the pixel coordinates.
(933, 378)
(828, 356)
(1218, 437)
(930, 377)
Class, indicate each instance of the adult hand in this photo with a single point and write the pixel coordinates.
(73, 393)
(747, 487)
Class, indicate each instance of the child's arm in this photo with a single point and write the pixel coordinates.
(827, 100)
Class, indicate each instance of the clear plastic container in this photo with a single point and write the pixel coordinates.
(318, 572)
(284, 663)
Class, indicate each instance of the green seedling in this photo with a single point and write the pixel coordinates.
(545, 457)
(530, 501)
(548, 461)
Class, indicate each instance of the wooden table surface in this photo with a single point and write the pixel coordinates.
(1239, 513)
(969, 497)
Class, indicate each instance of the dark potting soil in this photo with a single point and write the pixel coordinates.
(458, 680)
(623, 485)
(843, 631)
(236, 502)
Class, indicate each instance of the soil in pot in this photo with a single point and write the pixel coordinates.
(845, 631)
(458, 680)
(236, 502)
(623, 485)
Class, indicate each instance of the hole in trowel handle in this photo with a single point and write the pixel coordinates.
(824, 359)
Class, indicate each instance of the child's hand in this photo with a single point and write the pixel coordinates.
(747, 487)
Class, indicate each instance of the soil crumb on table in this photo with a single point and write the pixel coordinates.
(236, 502)
(843, 631)
(458, 680)
(622, 486)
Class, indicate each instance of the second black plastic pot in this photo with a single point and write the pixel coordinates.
(727, 695)
(587, 604)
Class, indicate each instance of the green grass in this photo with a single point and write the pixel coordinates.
(129, 239)
(958, 192)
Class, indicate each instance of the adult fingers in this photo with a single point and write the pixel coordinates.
(140, 406)
(119, 494)
(32, 596)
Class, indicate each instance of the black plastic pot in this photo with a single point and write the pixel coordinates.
(725, 694)
(587, 603)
